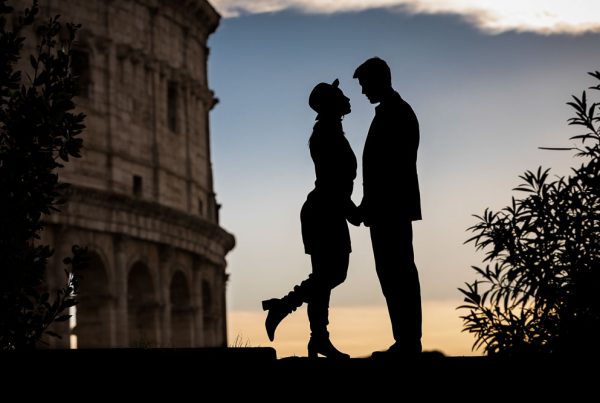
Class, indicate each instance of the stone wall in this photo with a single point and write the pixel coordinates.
(142, 198)
(136, 50)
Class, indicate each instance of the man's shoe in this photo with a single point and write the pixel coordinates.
(400, 350)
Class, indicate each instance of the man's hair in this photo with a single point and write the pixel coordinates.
(374, 69)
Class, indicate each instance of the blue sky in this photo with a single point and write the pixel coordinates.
(485, 102)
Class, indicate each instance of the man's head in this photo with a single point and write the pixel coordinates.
(375, 78)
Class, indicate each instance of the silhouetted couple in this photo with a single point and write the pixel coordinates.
(390, 203)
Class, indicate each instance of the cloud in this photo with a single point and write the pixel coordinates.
(492, 16)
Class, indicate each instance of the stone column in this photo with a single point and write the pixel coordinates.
(111, 316)
(109, 94)
(199, 339)
(120, 291)
(224, 277)
(188, 132)
(155, 98)
(209, 319)
(164, 257)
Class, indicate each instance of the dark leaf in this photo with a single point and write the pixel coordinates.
(62, 318)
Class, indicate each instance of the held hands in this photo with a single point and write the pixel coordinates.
(354, 215)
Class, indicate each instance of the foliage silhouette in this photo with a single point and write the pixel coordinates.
(38, 131)
(539, 292)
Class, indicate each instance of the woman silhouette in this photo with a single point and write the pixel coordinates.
(323, 217)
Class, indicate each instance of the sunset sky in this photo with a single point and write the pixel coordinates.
(488, 81)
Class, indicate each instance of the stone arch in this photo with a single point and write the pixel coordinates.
(145, 258)
(142, 307)
(93, 314)
(182, 320)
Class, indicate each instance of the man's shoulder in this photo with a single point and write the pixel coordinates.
(405, 108)
(395, 107)
(393, 103)
(401, 102)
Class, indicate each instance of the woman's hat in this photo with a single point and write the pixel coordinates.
(323, 95)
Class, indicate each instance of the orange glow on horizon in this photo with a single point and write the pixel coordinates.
(357, 331)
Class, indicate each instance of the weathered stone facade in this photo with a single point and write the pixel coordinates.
(142, 198)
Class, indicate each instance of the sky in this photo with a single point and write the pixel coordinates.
(488, 80)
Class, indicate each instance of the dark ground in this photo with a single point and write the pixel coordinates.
(244, 374)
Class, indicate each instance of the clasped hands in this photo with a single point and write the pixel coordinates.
(355, 216)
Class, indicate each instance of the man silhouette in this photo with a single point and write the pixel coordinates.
(391, 201)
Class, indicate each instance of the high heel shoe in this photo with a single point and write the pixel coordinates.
(277, 312)
(322, 345)
(280, 308)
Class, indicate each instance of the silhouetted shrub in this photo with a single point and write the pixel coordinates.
(540, 291)
(38, 131)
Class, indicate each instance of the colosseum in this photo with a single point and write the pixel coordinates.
(142, 196)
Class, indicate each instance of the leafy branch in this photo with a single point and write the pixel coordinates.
(538, 292)
(39, 131)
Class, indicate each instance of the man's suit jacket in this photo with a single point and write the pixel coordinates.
(390, 182)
